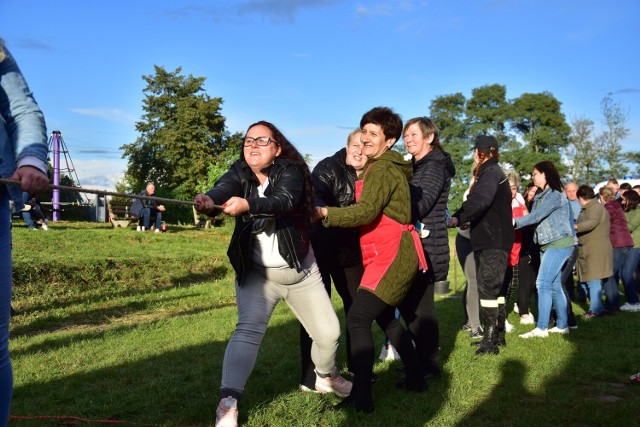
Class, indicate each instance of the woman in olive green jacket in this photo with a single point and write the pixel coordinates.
(391, 253)
(595, 253)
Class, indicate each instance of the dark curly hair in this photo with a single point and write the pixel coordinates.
(290, 153)
(387, 119)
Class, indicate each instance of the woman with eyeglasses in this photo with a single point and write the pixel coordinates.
(269, 192)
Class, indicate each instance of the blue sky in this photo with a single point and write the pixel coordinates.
(313, 67)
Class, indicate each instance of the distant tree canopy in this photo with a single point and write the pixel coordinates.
(184, 146)
(529, 128)
(182, 133)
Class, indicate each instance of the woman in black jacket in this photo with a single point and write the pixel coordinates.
(269, 193)
(432, 173)
(487, 211)
(337, 250)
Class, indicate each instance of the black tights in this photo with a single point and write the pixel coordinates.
(366, 309)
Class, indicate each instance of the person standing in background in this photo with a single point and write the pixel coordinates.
(487, 211)
(432, 173)
(23, 147)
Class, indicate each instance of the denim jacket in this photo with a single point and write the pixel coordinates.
(552, 214)
(23, 133)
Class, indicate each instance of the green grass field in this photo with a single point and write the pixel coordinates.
(116, 325)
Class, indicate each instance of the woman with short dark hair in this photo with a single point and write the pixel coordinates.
(391, 253)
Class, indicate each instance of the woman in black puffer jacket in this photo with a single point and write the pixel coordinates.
(432, 173)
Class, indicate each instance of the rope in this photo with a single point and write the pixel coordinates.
(112, 193)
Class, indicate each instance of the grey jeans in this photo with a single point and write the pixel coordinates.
(257, 297)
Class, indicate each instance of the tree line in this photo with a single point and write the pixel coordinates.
(183, 136)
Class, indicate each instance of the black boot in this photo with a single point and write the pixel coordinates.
(489, 343)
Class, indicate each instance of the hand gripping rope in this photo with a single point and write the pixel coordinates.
(112, 193)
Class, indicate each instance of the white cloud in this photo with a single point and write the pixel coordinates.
(109, 114)
(100, 174)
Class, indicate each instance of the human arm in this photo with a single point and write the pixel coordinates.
(590, 218)
(426, 186)
(552, 201)
(633, 220)
(381, 181)
(26, 130)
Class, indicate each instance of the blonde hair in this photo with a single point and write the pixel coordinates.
(514, 179)
(606, 193)
(352, 134)
(2, 54)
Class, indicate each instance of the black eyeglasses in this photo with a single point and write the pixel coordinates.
(262, 141)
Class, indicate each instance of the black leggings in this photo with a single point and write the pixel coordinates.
(366, 309)
(418, 310)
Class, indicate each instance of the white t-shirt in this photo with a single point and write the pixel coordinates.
(265, 244)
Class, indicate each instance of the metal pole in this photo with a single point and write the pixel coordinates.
(55, 135)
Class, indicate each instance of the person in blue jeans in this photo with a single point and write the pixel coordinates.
(146, 209)
(551, 215)
(23, 147)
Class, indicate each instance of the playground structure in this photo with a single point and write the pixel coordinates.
(57, 147)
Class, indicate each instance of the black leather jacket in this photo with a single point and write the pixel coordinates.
(334, 185)
(283, 203)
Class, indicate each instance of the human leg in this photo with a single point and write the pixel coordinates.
(629, 265)
(6, 375)
(468, 263)
(419, 312)
(550, 287)
(611, 291)
(158, 215)
(145, 214)
(256, 298)
(491, 268)
(595, 296)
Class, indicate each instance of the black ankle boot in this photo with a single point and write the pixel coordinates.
(489, 344)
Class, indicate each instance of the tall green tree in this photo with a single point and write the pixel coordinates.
(181, 133)
(633, 157)
(539, 122)
(488, 111)
(448, 112)
(614, 119)
(584, 153)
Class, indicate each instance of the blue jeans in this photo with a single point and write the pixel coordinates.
(629, 265)
(611, 290)
(549, 286)
(147, 213)
(594, 287)
(6, 376)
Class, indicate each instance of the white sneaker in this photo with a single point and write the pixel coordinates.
(333, 383)
(515, 308)
(628, 307)
(383, 352)
(635, 307)
(392, 353)
(529, 320)
(508, 326)
(227, 413)
(556, 330)
(45, 227)
(157, 230)
(138, 228)
(537, 333)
